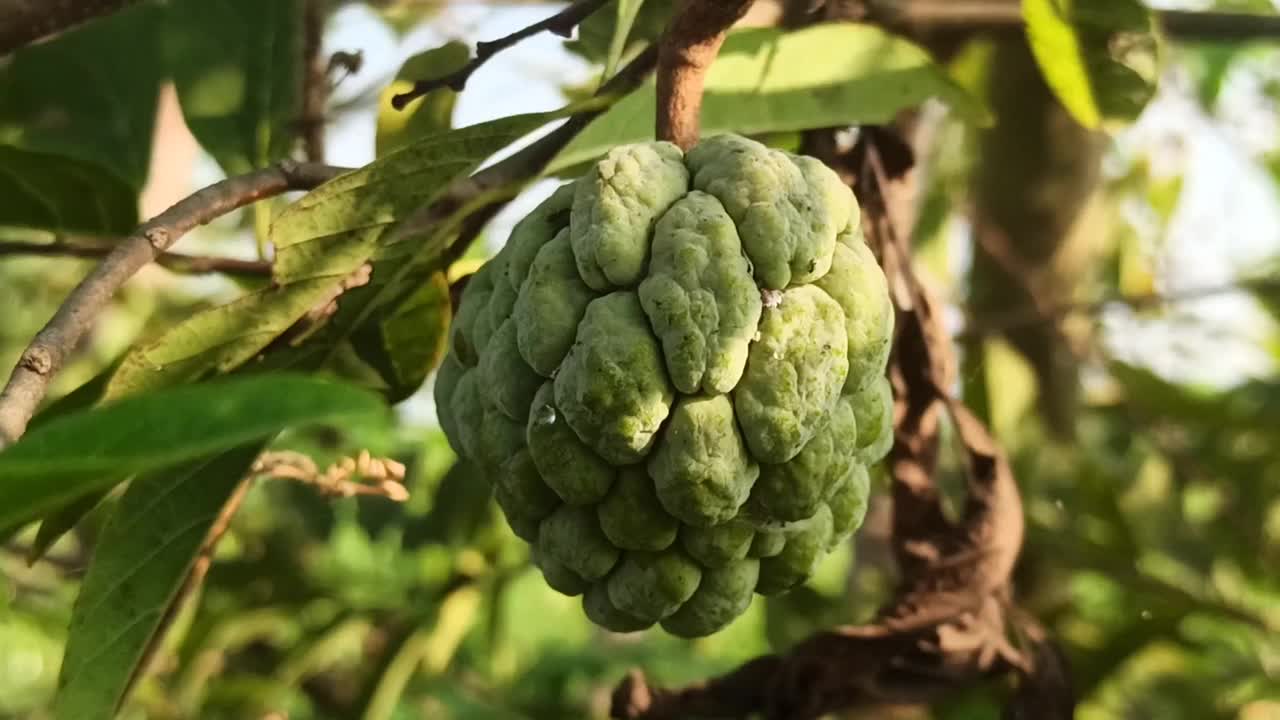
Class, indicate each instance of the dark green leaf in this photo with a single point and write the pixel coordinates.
(144, 554)
(320, 240)
(406, 346)
(427, 115)
(598, 33)
(88, 450)
(1100, 57)
(462, 505)
(89, 94)
(55, 192)
(237, 67)
(769, 80)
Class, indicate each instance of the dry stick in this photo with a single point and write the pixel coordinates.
(562, 24)
(315, 80)
(44, 357)
(687, 48)
(177, 262)
(23, 22)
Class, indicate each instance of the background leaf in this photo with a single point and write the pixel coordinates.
(597, 34)
(146, 551)
(82, 451)
(81, 108)
(237, 67)
(624, 17)
(428, 115)
(768, 80)
(56, 192)
(1098, 56)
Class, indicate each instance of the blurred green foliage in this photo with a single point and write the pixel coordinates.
(1152, 548)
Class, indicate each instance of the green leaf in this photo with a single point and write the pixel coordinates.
(1099, 57)
(87, 95)
(143, 556)
(321, 240)
(461, 506)
(598, 33)
(76, 119)
(428, 115)
(55, 192)
(88, 450)
(624, 18)
(769, 80)
(237, 66)
(406, 346)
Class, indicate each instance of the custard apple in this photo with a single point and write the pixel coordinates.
(674, 373)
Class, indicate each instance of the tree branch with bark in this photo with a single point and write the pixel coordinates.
(47, 353)
(177, 262)
(685, 53)
(23, 22)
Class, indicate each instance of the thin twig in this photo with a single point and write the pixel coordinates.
(315, 80)
(562, 24)
(23, 22)
(177, 262)
(687, 48)
(44, 357)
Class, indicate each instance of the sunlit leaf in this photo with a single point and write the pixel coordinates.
(143, 556)
(768, 80)
(1100, 57)
(428, 115)
(237, 66)
(320, 240)
(88, 450)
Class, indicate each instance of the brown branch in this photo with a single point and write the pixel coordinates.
(993, 15)
(315, 80)
(177, 262)
(23, 22)
(687, 48)
(562, 24)
(44, 357)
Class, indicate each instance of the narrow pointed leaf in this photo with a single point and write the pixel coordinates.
(90, 450)
(144, 554)
(770, 80)
(625, 12)
(321, 240)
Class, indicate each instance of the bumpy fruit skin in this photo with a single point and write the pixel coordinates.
(674, 373)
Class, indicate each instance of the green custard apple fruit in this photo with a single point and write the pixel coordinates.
(674, 373)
